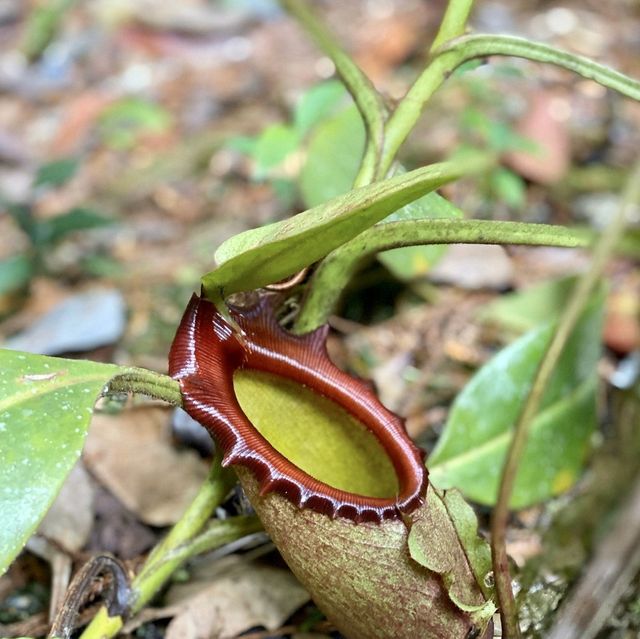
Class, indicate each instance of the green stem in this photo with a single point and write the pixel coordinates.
(218, 533)
(335, 271)
(160, 565)
(364, 94)
(461, 50)
(146, 382)
(454, 22)
(568, 320)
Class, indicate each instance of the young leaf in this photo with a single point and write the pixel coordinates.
(333, 157)
(273, 145)
(472, 447)
(56, 173)
(125, 120)
(45, 408)
(270, 253)
(316, 104)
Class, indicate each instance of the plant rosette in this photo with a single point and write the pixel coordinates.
(334, 477)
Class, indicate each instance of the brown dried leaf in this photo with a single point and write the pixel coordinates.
(70, 518)
(133, 456)
(245, 596)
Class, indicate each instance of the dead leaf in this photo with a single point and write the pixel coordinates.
(70, 518)
(244, 596)
(133, 456)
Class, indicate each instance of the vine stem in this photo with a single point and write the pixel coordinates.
(167, 556)
(566, 324)
(335, 271)
(364, 94)
(146, 382)
(454, 22)
(460, 50)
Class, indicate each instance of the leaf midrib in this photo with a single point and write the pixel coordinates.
(51, 386)
(503, 438)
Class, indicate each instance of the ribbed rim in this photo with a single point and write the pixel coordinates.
(204, 357)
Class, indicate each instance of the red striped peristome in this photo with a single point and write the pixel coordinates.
(205, 354)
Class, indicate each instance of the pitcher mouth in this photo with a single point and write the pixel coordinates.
(207, 353)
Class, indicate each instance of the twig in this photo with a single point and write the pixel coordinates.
(115, 593)
(570, 316)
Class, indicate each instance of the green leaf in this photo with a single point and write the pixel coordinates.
(270, 253)
(367, 99)
(45, 408)
(22, 215)
(444, 539)
(15, 273)
(333, 157)
(273, 145)
(472, 448)
(327, 174)
(244, 144)
(522, 311)
(125, 120)
(316, 105)
(56, 173)
(508, 187)
(42, 25)
(77, 219)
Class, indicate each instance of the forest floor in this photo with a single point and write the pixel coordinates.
(154, 103)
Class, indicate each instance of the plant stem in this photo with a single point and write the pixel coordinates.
(146, 382)
(160, 565)
(461, 50)
(454, 22)
(364, 94)
(570, 315)
(335, 271)
(219, 533)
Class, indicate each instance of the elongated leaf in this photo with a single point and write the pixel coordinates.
(276, 251)
(530, 307)
(472, 447)
(76, 219)
(45, 409)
